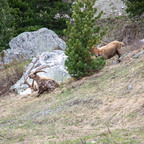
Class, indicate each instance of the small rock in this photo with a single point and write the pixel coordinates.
(121, 58)
(130, 87)
(115, 62)
(138, 55)
(93, 142)
(120, 14)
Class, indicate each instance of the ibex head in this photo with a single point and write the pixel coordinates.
(34, 74)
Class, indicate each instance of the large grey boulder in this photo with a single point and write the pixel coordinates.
(56, 70)
(31, 44)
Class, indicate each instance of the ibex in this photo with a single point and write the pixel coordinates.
(43, 83)
(109, 50)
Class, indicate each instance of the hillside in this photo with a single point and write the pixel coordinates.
(111, 8)
(105, 108)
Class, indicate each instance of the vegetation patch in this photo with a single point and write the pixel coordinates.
(10, 75)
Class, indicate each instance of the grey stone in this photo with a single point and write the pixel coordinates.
(138, 54)
(30, 44)
(56, 69)
(115, 62)
(130, 86)
(121, 58)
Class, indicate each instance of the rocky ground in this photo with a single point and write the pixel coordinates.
(111, 8)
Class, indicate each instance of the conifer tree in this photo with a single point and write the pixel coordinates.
(34, 14)
(51, 14)
(23, 15)
(82, 34)
(5, 25)
(135, 8)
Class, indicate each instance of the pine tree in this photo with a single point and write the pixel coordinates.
(23, 16)
(51, 14)
(82, 34)
(5, 25)
(135, 8)
(34, 14)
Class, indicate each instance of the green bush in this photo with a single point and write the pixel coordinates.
(82, 34)
(135, 8)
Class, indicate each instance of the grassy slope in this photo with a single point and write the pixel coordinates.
(99, 108)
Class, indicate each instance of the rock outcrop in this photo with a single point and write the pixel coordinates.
(30, 44)
(56, 70)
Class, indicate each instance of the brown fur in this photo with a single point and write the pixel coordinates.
(33, 86)
(110, 50)
(44, 83)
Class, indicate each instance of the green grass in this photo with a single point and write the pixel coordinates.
(123, 136)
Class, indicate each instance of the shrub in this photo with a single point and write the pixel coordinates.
(135, 8)
(82, 33)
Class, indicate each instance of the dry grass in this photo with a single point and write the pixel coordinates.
(122, 29)
(101, 108)
(10, 75)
